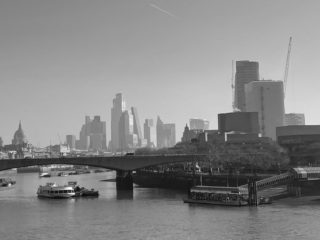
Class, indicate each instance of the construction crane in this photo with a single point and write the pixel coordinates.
(285, 78)
(232, 88)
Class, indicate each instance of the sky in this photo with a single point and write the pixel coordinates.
(62, 60)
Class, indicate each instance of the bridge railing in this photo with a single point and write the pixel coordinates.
(283, 178)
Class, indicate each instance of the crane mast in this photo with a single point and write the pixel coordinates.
(285, 78)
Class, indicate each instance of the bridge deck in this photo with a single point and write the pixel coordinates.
(126, 163)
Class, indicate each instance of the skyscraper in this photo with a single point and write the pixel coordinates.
(128, 140)
(166, 134)
(199, 124)
(98, 138)
(266, 98)
(93, 134)
(246, 72)
(117, 109)
(71, 141)
(136, 125)
(149, 132)
(294, 119)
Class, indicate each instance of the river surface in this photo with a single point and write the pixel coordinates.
(144, 214)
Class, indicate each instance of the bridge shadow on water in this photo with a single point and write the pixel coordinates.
(124, 194)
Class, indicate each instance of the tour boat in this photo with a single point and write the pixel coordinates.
(52, 190)
(216, 195)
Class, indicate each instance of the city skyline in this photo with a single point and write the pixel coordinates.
(60, 63)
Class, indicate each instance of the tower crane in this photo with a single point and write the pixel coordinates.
(285, 78)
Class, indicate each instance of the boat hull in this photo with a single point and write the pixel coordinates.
(230, 203)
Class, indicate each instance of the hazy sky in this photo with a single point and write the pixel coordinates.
(61, 60)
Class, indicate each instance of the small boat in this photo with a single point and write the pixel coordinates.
(6, 182)
(44, 174)
(89, 193)
(52, 190)
(62, 174)
(216, 195)
(83, 192)
(265, 200)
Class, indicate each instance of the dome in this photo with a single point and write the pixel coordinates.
(19, 138)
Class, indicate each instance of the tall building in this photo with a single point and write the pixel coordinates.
(117, 109)
(149, 132)
(199, 124)
(136, 125)
(93, 134)
(266, 98)
(71, 141)
(294, 119)
(241, 122)
(84, 138)
(246, 72)
(166, 134)
(98, 138)
(128, 140)
(1, 142)
(19, 138)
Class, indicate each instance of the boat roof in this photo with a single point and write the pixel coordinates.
(56, 186)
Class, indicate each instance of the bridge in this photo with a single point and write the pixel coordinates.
(299, 181)
(124, 165)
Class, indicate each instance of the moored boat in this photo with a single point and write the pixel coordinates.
(52, 190)
(216, 195)
(83, 192)
(6, 182)
(44, 174)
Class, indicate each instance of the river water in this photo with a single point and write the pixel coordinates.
(144, 214)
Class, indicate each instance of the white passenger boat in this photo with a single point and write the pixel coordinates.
(216, 195)
(44, 174)
(52, 190)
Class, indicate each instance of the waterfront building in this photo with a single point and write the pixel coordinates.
(198, 123)
(149, 132)
(117, 109)
(19, 138)
(241, 122)
(246, 72)
(71, 141)
(128, 140)
(93, 134)
(211, 136)
(302, 143)
(166, 134)
(266, 97)
(294, 119)
(1, 142)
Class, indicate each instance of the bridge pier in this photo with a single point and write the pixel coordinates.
(252, 191)
(124, 180)
(294, 188)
